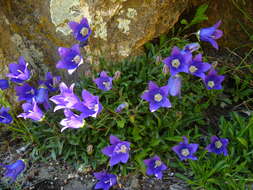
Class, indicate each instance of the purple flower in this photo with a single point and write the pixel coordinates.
(197, 67)
(72, 120)
(218, 145)
(118, 151)
(190, 48)
(19, 71)
(70, 58)
(14, 170)
(104, 82)
(185, 150)
(4, 84)
(66, 99)
(41, 95)
(106, 180)
(25, 92)
(121, 107)
(51, 82)
(90, 104)
(174, 85)
(156, 96)
(5, 117)
(178, 61)
(32, 111)
(211, 34)
(213, 81)
(155, 167)
(81, 31)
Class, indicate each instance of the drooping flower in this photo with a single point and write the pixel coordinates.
(51, 82)
(72, 120)
(156, 96)
(4, 84)
(197, 67)
(41, 94)
(210, 34)
(118, 151)
(81, 31)
(19, 72)
(25, 92)
(5, 117)
(91, 103)
(66, 99)
(121, 107)
(213, 81)
(14, 170)
(71, 58)
(190, 48)
(174, 85)
(218, 145)
(178, 61)
(155, 167)
(32, 111)
(106, 180)
(184, 150)
(104, 82)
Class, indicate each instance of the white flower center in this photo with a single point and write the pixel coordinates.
(21, 72)
(192, 69)
(106, 84)
(218, 144)
(84, 31)
(158, 163)
(175, 63)
(77, 59)
(95, 108)
(210, 84)
(123, 149)
(158, 97)
(185, 152)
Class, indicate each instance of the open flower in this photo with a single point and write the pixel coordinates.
(118, 151)
(25, 92)
(51, 82)
(106, 180)
(185, 150)
(197, 67)
(156, 96)
(178, 61)
(104, 82)
(72, 120)
(32, 111)
(155, 167)
(5, 117)
(81, 31)
(71, 58)
(4, 84)
(211, 34)
(190, 48)
(14, 170)
(213, 81)
(218, 145)
(174, 85)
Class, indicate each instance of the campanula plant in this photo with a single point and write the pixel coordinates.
(4, 84)
(5, 117)
(104, 82)
(14, 170)
(106, 180)
(155, 166)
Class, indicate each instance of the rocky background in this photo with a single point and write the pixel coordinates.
(35, 28)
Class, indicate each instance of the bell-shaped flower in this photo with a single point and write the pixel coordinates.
(51, 82)
(218, 145)
(4, 84)
(25, 92)
(185, 151)
(106, 180)
(32, 111)
(121, 107)
(174, 85)
(178, 61)
(197, 67)
(190, 48)
(210, 34)
(118, 151)
(104, 82)
(5, 117)
(155, 167)
(81, 31)
(156, 96)
(213, 81)
(71, 58)
(19, 72)
(72, 120)
(14, 170)
(41, 94)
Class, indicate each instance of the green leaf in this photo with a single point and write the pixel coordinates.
(121, 123)
(184, 22)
